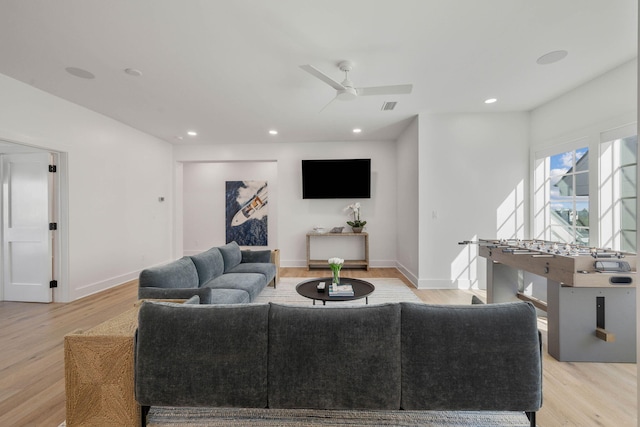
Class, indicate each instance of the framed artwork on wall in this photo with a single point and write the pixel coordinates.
(246, 212)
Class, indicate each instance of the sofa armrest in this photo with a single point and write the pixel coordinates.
(256, 256)
(181, 273)
(175, 293)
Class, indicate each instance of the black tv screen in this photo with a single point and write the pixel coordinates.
(336, 179)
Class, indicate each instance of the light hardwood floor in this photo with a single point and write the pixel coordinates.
(32, 365)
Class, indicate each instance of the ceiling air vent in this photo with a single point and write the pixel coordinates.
(388, 106)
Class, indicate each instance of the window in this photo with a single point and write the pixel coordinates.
(561, 197)
(618, 165)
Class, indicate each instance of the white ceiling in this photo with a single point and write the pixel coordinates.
(230, 69)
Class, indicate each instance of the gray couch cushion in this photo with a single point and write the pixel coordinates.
(231, 254)
(229, 296)
(334, 357)
(205, 294)
(473, 357)
(180, 273)
(256, 256)
(202, 355)
(268, 270)
(209, 264)
(252, 283)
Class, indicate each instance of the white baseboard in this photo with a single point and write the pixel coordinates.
(436, 284)
(407, 273)
(94, 288)
(103, 285)
(287, 263)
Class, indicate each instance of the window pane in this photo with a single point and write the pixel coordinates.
(582, 236)
(618, 193)
(628, 181)
(561, 234)
(563, 186)
(582, 216)
(628, 214)
(562, 213)
(629, 150)
(561, 163)
(582, 159)
(628, 241)
(582, 184)
(567, 201)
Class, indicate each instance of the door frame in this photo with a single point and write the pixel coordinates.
(59, 212)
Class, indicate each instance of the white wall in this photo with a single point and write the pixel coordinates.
(296, 216)
(407, 225)
(116, 225)
(204, 200)
(607, 102)
(473, 174)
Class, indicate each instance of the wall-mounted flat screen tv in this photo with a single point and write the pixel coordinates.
(336, 179)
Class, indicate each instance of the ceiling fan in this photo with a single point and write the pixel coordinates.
(346, 91)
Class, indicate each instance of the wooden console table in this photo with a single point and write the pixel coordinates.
(347, 262)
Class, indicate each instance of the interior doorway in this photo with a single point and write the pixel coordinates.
(29, 201)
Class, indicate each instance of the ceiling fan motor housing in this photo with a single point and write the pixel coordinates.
(347, 94)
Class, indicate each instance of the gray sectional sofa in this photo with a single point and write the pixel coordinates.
(220, 275)
(383, 357)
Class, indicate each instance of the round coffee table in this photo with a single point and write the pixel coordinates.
(361, 289)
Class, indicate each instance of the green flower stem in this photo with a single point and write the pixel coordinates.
(336, 273)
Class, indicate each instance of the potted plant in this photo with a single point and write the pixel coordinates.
(356, 225)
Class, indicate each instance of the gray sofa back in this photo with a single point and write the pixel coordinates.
(471, 357)
(334, 358)
(388, 356)
(202, 357)
(209, 265)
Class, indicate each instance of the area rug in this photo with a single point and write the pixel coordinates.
(387, 290)
(229, 417)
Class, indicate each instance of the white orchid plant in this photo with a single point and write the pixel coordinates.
(355, 209)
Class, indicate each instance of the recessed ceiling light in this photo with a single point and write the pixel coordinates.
(133, 72)
(79, 72)
(192, 133)
(490, 100)
(273, 132)
(356, 130)
(551, 57)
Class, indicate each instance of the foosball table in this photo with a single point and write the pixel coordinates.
(588, 294)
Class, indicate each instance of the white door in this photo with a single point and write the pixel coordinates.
(27, 248)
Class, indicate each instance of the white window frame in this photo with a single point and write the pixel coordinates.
(541, 215)
(609, 207)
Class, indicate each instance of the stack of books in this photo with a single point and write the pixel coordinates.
(340, 290)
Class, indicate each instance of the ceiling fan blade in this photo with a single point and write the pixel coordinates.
(322, 76)
(385, 90)
(329, 103)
